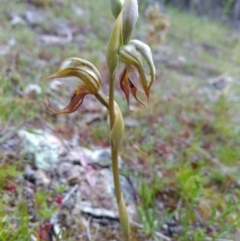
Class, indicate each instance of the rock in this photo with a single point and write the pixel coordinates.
(83, 156)
(89, 171)
(128, 194)
(33, 17)
(96, 184)
(74, 179)
(73, 174)
(29, 175)
(41, 147)
(77, 154)
(102, 157)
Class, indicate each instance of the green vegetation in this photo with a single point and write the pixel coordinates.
(184, 156)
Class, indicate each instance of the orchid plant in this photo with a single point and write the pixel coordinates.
(133, 59)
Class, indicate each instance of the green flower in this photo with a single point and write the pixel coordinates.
(82, 77)
(139, 70)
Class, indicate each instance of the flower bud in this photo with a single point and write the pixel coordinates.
(129, 19)
(116, 7)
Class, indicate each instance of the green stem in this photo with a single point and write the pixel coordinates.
(116, 172)
(123, 215)
(122, 210)
(114, 151)
(111, 101)
(102, 98)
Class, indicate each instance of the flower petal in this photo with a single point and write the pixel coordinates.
(124, 83)
(139, 55)
(72, 81)
(74, 104)
(134, 76)
(128, 85)
(145, 54)
(76, 72)
(134, 90)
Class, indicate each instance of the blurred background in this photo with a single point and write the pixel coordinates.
(179, 162)
(218, 10)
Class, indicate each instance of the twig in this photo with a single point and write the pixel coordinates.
(70, 193)
(88, 229)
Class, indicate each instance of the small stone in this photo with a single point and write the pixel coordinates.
(175, 230)
(28, 192)
(42, 178)
(64, 169)
(74, 176)
(72, 180)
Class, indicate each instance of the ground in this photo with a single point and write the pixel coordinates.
(182, 156)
